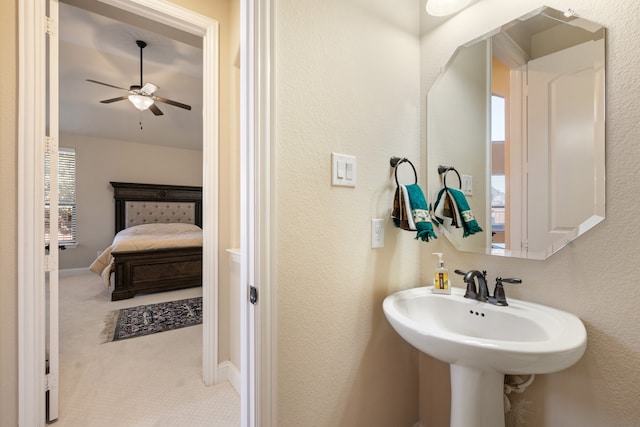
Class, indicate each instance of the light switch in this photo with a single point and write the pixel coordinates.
(349, 171)
(343, 170)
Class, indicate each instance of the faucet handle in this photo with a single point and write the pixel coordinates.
(499, 297)
(471, 286)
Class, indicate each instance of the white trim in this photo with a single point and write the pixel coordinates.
(227, 371)
(165, 13)
(235, 255)
(257, 343)
(210, 46)
(31, 131)
(247, 415)
(266, 317)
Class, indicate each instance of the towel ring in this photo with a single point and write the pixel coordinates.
(396, 161)
(444, 170)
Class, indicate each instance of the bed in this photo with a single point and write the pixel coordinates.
(158, 240)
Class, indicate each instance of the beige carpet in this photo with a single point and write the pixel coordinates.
(153, 380)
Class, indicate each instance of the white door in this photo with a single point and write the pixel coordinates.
(561, 145)
(51, 209)
(37, 266)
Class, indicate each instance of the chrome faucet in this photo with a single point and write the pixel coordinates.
(482, 292)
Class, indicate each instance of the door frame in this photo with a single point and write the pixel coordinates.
(258, 343)
(31, 132)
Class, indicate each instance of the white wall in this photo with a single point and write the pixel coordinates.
(346, 80)
(457, 107)
(594, 277)
(99, 161)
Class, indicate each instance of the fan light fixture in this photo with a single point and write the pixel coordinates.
(142, 97)
(141, 102)
(445, 7)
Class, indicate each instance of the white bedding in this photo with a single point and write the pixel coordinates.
(145, 237)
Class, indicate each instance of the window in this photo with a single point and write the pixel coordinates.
(498, 168)
(66, 197)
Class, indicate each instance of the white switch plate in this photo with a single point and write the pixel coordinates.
(343, 170)
(467, 185)
(377, 233)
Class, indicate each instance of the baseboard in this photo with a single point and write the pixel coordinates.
(228, 372)
(73, 271)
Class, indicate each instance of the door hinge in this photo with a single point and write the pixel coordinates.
(50, 382)
(50, 26)
(50, 263)
(50, 144)
(253, 295)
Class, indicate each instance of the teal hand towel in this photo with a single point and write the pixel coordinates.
(469, 224)
(420, 213)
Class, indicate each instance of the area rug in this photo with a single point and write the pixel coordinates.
(149, 319)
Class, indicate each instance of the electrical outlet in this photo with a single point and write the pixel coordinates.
(377, 233)
(467, 185)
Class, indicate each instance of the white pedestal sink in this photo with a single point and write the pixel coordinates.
(483, 342)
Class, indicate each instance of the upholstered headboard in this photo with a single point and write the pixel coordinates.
(151, 203)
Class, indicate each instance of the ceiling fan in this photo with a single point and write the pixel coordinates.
(142, 96)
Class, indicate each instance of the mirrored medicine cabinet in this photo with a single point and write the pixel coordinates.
(521, 112)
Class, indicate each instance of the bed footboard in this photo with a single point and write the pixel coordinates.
(156, 270)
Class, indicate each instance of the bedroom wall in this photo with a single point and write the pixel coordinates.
(226, 12)
(230, 199)
(99, 161)
(595, 276)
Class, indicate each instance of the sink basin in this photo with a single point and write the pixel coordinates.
(483, 342)
(522, 338)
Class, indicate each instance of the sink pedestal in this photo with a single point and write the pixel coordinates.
(482, 341)
(477, 397)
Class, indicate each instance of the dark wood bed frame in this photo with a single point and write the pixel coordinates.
(158, 269)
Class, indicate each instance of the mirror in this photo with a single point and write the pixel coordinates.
(519, 114)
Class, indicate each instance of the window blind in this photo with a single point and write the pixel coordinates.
(66, 196)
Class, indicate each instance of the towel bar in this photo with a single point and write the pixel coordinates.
(444, 170)
(397, 161)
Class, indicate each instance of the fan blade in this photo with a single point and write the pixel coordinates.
(109, 101)
(107, 84)
(155, 110)
(174, 103)
(149, 89)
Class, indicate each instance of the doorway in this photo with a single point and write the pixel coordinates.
(32, 126)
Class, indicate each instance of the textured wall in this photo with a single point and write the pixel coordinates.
(346, 80)
(8, 214)
(595, 276)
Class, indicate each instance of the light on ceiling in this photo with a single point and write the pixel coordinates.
(445, 7)
(141, 102)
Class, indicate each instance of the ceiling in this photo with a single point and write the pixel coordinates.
(98, 42)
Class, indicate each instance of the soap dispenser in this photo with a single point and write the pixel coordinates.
(441, 277)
